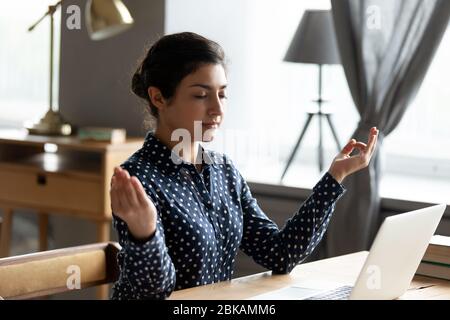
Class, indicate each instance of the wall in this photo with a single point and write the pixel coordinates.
(95, 76)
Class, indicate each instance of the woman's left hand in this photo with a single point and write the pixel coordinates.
(344, 164)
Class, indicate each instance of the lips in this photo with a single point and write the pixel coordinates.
(211, 124)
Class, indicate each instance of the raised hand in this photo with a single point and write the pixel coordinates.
(344, 164)
(131, 204)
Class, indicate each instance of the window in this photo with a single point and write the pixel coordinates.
(268, 98)
(420, 141)
(24, 61)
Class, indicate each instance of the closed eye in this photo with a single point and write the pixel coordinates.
(203, 97)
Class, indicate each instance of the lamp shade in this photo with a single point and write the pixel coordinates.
(106, 18)
(314, 41)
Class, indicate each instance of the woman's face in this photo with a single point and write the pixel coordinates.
(200, 96)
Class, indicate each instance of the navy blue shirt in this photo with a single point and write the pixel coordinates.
(203, 219)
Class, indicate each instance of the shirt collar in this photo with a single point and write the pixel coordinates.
(168, 161)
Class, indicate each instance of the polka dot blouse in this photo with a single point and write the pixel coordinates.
(204, 218)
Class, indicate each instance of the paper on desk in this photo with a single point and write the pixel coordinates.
(440, 240)
(286, 293)
(298, 291)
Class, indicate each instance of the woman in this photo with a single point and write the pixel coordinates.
(180, 221)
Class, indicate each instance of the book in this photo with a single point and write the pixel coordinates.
(436, 260)
(434, 270)
(112, 135)
(438, 250)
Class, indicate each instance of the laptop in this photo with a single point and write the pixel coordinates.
(393, 260)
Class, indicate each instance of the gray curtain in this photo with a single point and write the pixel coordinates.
(386, 48)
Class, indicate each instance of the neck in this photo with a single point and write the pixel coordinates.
(187, 154)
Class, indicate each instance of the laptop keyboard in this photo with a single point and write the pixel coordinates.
(340, 293)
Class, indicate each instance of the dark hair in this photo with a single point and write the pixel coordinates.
(169, 60)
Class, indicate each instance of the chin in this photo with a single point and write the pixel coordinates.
(209, 135)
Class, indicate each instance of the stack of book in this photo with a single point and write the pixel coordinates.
(436, 261)
(112, 135)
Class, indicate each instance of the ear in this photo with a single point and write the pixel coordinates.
(157, 98)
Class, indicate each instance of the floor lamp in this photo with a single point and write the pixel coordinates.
(314, 42)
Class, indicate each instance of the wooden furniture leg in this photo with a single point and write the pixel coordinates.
(5, 234)
(103, 235)
(43, 231)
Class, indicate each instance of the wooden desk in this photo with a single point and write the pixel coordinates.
(73, 181)
(343, 269)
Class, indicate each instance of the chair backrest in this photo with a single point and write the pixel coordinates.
(49, 272)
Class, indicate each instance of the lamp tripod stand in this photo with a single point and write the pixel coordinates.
(320, 114)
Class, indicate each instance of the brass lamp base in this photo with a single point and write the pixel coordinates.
(51, 124)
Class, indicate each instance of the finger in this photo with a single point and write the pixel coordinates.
(348, 147)
(114, 184)
(113, 179)
(119, 174)
(130, 193)
(372, 136)
(361, 146)
(125, 193)
(123, 177)
(125, 174)
(121, 191)
(365, 156)
(116, 204)
(374, 144)
(140, 192)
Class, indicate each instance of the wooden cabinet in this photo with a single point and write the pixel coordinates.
(73, 180)
(32, 187)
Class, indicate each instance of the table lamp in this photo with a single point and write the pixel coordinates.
(104, 19)
(314, 42)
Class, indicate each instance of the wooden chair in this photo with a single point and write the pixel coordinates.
(44, 273)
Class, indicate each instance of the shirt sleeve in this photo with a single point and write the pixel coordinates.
(281, 250)
(146, 269)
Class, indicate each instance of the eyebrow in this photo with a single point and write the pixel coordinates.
(205, 86)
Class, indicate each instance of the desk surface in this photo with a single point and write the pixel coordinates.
(343, 270)
(21, 137)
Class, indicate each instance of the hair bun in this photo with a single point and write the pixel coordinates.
(138, 86)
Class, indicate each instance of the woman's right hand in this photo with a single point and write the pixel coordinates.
(131, 204)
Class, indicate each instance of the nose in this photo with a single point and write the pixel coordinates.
(216, 107)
